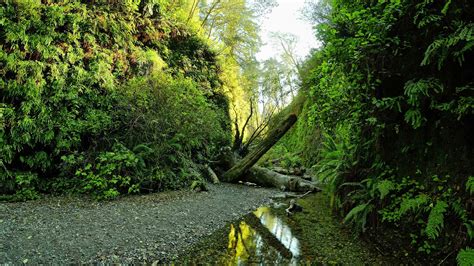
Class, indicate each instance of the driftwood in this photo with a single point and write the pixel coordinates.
(242, 167)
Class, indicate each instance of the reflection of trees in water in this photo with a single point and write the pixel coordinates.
(262, 236)
(279, 229)
(244, 243)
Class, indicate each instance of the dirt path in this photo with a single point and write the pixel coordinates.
(150, 228)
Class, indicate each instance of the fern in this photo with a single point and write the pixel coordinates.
(358, 215)
(436, 219)
(384, 187)
(458, 209)
(470, 185)
(334, 161)
(457, 43)
(413, 204)
(417, 90)
(470, 229)
(465, 257)
(414, 118)
(445, 9)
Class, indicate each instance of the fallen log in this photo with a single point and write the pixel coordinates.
(242, 167)
(211, 174)
(292, 171)
(269, 178)
(290, 195)
(245, 169)
(281, 170)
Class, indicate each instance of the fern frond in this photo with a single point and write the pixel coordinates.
(456, 43)
(470, 228)
(459, 210)
(413, 204)
(470, 185)
(358, 215)
(436, 219)
(384, 187)
(466, 257)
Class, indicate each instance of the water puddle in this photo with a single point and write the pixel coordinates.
(259, 237)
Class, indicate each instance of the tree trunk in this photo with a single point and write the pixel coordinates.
(248, 161)
(212, 175)
(269, 178)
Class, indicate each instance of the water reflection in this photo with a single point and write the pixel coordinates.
(279, 229)
(261, 237)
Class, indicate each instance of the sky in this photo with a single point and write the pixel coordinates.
(286, 17)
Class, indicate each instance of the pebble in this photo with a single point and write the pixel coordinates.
(72, 230)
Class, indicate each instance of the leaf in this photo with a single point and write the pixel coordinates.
(446, 7)
(466, 257)
(470, 185)
(384, 187)
(413, 204)
(358, 215)
(436, 219)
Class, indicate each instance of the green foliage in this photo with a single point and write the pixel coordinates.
(358, 215)
(103, 98)
(465, 257)
(335, 160)
(413, 205)
(436, 219)
(108, 173)
(384, 187)
(470, 185)
(199, 185)
(454, 45)
(290, 161)
(390, 107)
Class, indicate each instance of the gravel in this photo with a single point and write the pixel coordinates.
(136, 229)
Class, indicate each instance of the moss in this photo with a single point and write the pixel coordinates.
(324, 239)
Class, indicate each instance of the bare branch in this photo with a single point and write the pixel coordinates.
(248, 118)
(209, 12)
(193, 9)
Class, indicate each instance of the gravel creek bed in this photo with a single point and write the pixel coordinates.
(134, 229)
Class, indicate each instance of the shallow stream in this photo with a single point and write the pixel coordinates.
(259, 237)
(268, 236)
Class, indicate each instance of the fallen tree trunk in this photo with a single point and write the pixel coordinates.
(211, 174)
(242, 167)
(298, 171)
(269, 178)
(245, 169)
